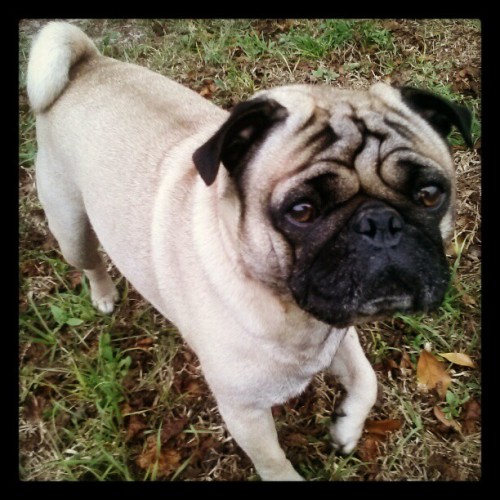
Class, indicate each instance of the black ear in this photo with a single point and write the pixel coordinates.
(246, 125)
(440, 113)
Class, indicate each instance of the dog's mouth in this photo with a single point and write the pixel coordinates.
(387, 305)
(344, 305)
(348, 304)
(355, 293)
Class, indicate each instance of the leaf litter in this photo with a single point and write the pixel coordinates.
(447, 422)
(432, 374)
(459, 358)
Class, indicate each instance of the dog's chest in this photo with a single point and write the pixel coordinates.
(289, 369)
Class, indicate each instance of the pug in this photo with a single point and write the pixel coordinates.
(264, 234)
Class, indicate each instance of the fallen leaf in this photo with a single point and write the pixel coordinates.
(458, 358)
(188, 356)
(471, 416)
(145, 342)
(405, 361)
(75, 279)
(447, 422)
(295, 439)
(445, 466)
(208, 89)
(134, 426)
(50, 242)
(194, 388)
(432, 374)
(469, 71)
(391, 364)
(391, 25)
(172, 428)
(382, 427)
(205, 92)
(126, 409)
(207, 445)
(166, 462)
(368, 449)
(468, 300)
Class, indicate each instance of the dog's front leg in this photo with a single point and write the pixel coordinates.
(255, 432)
(355, 373)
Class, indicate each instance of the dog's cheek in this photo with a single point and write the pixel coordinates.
(267, 256)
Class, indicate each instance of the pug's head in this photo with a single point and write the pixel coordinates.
(346, 198)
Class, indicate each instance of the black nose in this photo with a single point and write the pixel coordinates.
(380, 225)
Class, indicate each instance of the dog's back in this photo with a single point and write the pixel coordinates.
(104, 128)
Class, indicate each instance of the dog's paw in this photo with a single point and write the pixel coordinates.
(345, 434)
(105, 302)
(285, 473)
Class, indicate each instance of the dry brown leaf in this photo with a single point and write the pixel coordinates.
(145, 342)
(458, 358)
(368, 448)
(296, 439)
(391, 364)
(382, 427)
(432, 373)
(75, 279)
(168, 460)
(468, 300)
(194, 388)
(204, 92)
(126, 409)
(405, 361)
(134, 426)
(471, 416)
(391, 25)
(208, 89)
(50, 242)
(172, 428)
(442, 418)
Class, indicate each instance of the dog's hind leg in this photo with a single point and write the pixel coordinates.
(355, 373)
(71, 227)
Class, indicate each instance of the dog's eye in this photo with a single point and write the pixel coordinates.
(430, 196)
(303, 212)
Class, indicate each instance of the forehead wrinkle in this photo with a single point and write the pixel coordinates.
(288, 182)
(427, 144)
(426, 140)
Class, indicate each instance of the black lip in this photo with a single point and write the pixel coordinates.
(387, 305)
(374, 298)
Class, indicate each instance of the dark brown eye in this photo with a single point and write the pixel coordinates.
(303, 213)
(430, 196)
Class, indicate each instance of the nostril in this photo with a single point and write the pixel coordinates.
(380, 226)
(367, 226)
(395, 225)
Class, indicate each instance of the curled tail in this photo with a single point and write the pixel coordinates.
(55, 50)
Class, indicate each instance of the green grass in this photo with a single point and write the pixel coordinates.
(84, 376)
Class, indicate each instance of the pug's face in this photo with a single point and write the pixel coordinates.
(346, 197)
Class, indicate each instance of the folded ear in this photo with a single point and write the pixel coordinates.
(440, 113)
(247, 124)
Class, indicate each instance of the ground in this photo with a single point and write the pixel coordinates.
(122, 396)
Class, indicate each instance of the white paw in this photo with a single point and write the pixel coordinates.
(345, 433)
(105, 302)
(285, 473)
